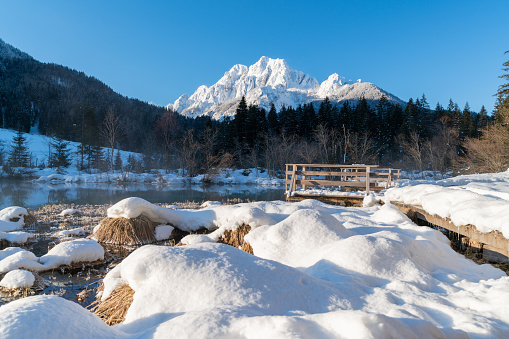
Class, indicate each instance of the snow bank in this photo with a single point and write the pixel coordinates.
(18, 279)
(463, 207)
(65, 253)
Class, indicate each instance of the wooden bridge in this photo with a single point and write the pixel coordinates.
(349, 177)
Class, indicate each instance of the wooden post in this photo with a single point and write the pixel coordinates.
(286, 176)
(304, 177)
(367, 180)
(390, 177)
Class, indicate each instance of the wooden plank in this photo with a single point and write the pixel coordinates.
(334, 165)
(334, 183)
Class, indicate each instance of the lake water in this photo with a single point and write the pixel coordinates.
(32, 195)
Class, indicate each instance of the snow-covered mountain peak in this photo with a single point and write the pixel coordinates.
(270, 81)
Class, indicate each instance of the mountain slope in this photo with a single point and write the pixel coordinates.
(271, 81)
(53, 99)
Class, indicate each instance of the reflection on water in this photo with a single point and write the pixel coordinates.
(31, 195)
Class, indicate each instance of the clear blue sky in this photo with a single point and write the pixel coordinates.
(157, 50)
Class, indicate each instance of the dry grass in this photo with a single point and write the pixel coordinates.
(113, 309)
(126, 231)
(236, 238)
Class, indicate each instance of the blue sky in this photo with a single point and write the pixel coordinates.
(157, 50)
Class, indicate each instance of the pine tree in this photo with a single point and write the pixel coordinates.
(61, 155)
(240, 121)
(272, 120)
(410, 117)
(18, 154)
(118, 161)
(325, 113)
(502, 106)
(482, 119)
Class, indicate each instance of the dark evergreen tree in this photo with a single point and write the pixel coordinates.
(325, 114)
(118, 161)
(502, 104)
(410, 124)
(61, 155)
(240, 121)
(363, 118)
(481, 120)
(272, 120)
(18, 153)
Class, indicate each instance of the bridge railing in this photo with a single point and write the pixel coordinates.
(367, 177)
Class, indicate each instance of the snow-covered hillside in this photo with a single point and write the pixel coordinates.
(271, 81)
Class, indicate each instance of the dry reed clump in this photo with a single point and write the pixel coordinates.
(113, 309)
(126, 231)
(236, 238)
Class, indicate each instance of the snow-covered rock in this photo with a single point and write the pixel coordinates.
(18, 279)
(271, 81)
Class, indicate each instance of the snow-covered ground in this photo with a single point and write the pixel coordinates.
(318, 271)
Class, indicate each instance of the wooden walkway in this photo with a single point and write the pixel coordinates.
(493, 245)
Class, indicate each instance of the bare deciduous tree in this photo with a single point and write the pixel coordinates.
(112, 131)
(414, 150)
(490, 153)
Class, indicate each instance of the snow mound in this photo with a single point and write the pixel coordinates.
(10, 213)
(294, 240)
(74, 232)
(69, 211)
(200, 277)
(48, 316)
(18, 279)
(163, 232)
(13, 212)
(15, 237)
(210, 204)
(65, 253)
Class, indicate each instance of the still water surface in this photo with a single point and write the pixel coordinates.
(32, 195)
